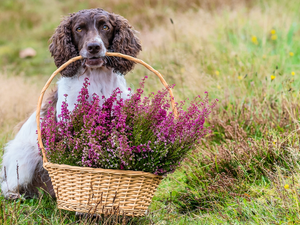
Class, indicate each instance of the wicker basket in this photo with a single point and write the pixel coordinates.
(101, 191)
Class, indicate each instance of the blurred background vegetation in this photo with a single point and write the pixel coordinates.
(209, 45)
(246, 53)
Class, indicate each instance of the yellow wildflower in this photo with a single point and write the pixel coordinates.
(254, 40)
(293, 73)
(274, 37)
(240, 77)
(247, 195)
(291, 53)
(273, 77)
(286, 186)
(219, 87)
(273, 31)
(217, 73)
(264, 56)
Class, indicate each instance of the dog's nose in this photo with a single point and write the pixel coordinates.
(93, 47)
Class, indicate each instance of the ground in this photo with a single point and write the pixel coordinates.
(244, 53)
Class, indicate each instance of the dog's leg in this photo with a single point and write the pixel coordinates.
(22, 153)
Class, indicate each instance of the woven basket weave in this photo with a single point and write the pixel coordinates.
(101, 191)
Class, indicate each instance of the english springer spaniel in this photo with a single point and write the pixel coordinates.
(89, 33)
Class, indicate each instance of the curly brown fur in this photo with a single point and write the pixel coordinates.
(62, 48)
(125, 42)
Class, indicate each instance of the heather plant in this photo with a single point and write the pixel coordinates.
(246, 148)
(138, 133)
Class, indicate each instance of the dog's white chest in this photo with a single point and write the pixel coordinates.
(102, 81)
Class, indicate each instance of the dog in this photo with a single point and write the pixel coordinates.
(89, 33)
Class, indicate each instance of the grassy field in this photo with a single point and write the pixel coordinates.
(245, 53)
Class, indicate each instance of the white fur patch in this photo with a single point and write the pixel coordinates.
(99, 40)
(103, 82)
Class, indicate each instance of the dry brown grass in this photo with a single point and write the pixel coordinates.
(178, 50)
(198, 43)
(150, 13)
(18, 100)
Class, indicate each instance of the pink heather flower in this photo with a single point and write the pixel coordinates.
(132, 134)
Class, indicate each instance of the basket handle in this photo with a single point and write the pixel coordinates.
(39, 105)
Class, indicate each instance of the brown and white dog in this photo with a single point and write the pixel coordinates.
(89, 33)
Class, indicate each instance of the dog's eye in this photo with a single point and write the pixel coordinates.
(105, 27)
(78, 29)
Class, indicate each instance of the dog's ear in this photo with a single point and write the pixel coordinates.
(125, 41)
(62, 48)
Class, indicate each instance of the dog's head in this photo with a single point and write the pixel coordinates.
(91, 33)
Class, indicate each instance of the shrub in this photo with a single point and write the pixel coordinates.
(133, 134)
(249, 146)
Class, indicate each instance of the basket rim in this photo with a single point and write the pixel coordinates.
(100, 170)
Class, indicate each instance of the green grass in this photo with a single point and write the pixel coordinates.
(238, 175)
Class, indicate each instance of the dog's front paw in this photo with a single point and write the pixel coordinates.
(14, 196)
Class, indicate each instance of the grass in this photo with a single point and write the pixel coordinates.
(245, 53)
